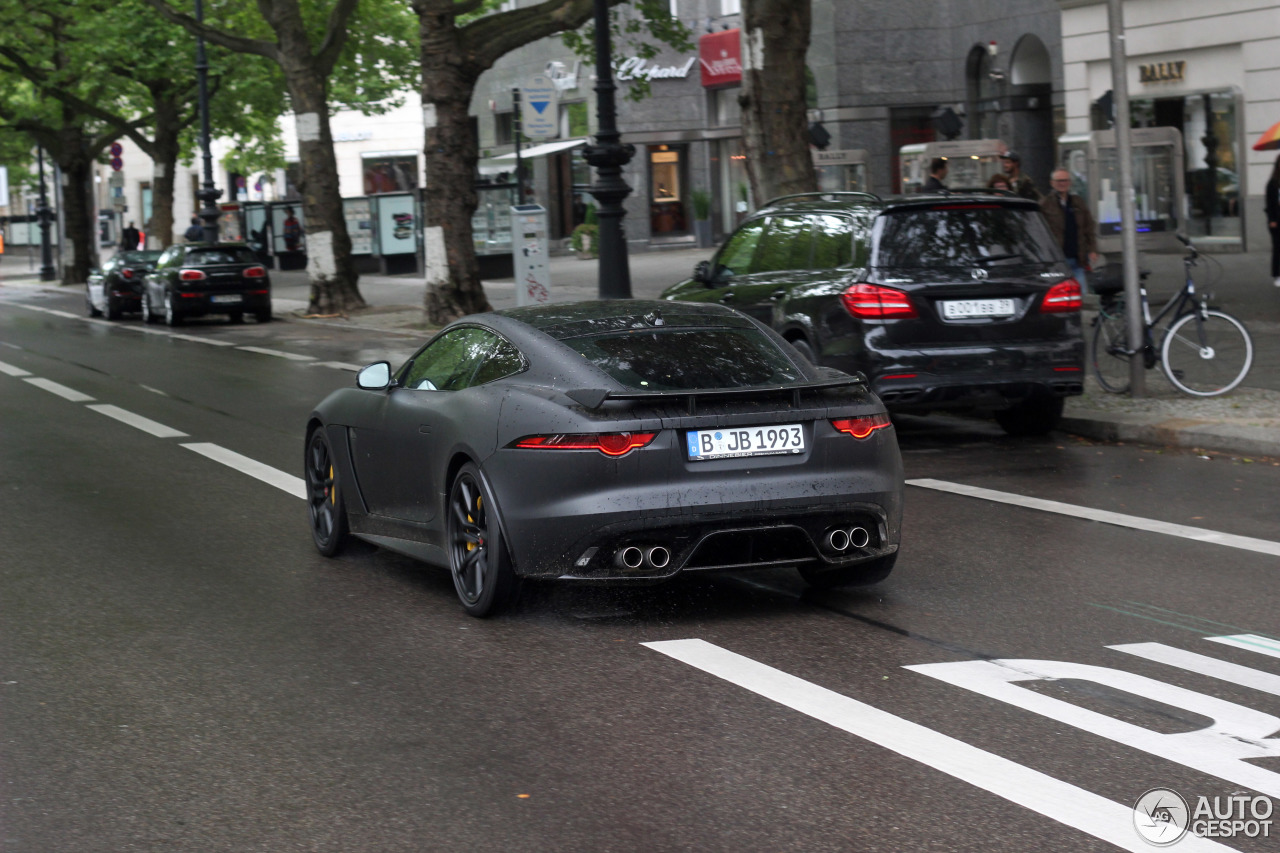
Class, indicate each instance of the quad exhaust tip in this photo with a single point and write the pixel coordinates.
(629, 557)
(633, 557)
(658, 557)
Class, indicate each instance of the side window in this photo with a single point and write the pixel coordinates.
(449, 361)
(832, 241)
(503, 361)
(166, 260)
(786, 246)
(736, 256)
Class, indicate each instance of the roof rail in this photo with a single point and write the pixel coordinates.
(986, 190)
(822, 196)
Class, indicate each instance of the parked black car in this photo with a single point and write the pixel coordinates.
(117, 287)
(623, 441)
(196, 279)
(946, 301)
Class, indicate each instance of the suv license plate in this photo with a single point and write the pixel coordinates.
(745, 441)
(958, 309)
(229, 298)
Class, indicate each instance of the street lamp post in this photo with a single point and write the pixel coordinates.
(608, 155)
(44, 214)
(208, 193)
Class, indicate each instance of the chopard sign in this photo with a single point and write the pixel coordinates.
(1162, 72)
(630, 69)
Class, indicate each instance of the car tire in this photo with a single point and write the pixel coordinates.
(172, 317)
(862, 574)
(263, 316)
(326, 502)
(113, 311)
(1036, 415)
(235, 317)
(802, 346)
(88, 304)
(479, 561)
(148, 316)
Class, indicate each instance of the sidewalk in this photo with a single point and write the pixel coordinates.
(1245, 422)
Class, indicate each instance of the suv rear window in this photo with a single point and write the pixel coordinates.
(687, 359)
(963, 235)
(230, 255)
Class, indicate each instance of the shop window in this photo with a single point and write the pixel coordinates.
(293, 181)
(666, 196)
(390, 174)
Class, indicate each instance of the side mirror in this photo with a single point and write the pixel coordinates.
(702, 272)
(375, 377)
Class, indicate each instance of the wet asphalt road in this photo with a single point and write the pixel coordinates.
(179, 669)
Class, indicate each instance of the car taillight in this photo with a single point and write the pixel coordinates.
(192, 275)
(863, 426)
(873, 302)
(255, 272)
(126, 273)
(1062, 297)
(608, 443)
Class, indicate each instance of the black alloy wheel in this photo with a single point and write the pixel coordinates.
(171, 315)
(326, 503)
(862, 574)
(478, 558)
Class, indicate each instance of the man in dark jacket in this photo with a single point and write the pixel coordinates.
(937, 174)
(1072, 225)
(1020, 183)
(129, 238)
(195, 231)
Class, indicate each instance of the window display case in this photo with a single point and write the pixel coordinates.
(491, 223)
(970, 162)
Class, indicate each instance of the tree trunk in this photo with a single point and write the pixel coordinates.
(164, 153)
(452, 271)
(78, 216)
(330, 267)
(775, 127)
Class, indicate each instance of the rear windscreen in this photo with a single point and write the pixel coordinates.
(688, 359)
(963, 235)
(232, 255)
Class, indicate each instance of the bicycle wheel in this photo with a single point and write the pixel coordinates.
(1110, 340)
(1206, 357)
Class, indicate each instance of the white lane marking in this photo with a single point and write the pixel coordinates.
(1199, 534)
(1251, 642)
(336, 365)
(295, 486)
(54, 311)
(1053, 798)
(278, 354)
(210, 341)
(61, 390)
(1224, 748)
(1204, 665)
(124, 416)
(12, 370)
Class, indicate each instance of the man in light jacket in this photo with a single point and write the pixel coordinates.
(1072, 225)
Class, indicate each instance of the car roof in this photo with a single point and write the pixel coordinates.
(839, 202)
(563, 320)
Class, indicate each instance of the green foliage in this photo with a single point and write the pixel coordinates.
(589, 218)
(634, 28)
(585, 238)
(701, 204)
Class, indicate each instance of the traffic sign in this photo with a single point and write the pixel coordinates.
(539, 108)
(116, 164)
(116, 149)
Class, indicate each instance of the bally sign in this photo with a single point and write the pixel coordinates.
(721, 57)
(1162, 72)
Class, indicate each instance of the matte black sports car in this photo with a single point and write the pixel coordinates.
(608, 441)
(117, 287)
(197, 279)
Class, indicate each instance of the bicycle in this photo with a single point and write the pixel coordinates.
(1204, 351)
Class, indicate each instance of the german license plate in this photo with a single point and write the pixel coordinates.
(745, 441)
(959, 309)
(228, 298)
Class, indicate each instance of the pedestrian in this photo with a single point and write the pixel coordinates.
(1000, 181)
(129, 238)
(1018, 182)
(937, 174)
(195, 231)
(1273, 219)
(292, 230)
(1072, 225)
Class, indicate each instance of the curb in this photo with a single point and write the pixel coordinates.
(1189, 433)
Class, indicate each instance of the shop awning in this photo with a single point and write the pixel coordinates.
(542, 150)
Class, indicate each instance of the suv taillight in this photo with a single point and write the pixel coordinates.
(873, 302)
(126, 273)
(255, 272)
(192, 275)
(1062, 298)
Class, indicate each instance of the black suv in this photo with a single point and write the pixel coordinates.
(958, 300)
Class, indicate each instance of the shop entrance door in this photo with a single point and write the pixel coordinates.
(667, 202)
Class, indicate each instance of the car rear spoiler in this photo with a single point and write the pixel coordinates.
(594, 398)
